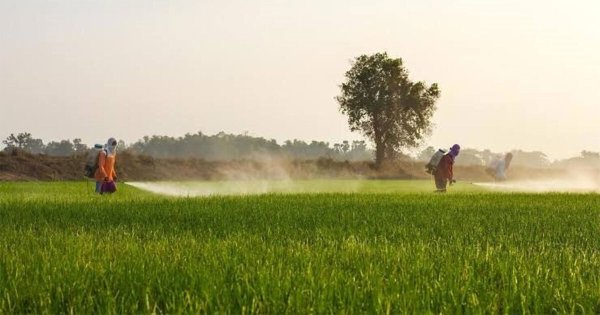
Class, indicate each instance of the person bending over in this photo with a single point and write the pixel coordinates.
(444, 173)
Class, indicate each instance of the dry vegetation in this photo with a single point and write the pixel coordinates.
(25, 166)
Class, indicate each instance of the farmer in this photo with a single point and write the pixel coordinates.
(105, 174)
(443, 174)
(498, 167)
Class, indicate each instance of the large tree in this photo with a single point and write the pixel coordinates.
(385, 106)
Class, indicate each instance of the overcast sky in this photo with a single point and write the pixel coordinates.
(513, 74)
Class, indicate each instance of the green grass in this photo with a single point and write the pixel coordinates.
(391, 247)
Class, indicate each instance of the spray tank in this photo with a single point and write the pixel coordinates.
(432, 165)
(91, 163)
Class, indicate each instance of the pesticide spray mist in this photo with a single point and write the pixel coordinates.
(193, 189)
(249, 187)
(572, 181)
(234, 182)
(272, 178)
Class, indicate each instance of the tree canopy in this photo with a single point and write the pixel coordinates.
(384, 105)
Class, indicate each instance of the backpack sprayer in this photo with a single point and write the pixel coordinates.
(431, 166)
(91, 164)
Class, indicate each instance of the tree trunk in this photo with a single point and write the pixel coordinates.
(379, 145)
(379, 153)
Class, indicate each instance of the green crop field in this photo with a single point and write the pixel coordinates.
(361, 247)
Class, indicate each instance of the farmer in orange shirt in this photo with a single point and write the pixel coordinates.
(105, 174)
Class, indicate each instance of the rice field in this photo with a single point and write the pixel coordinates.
(313, 247)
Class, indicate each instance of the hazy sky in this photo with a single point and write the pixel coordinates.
(513, 74)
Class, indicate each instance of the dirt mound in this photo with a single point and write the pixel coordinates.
(24, 166)
(19, 165)
(135, 167)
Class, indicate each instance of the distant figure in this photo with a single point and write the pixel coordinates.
(498, 166)
(105, 174)
(443, 174)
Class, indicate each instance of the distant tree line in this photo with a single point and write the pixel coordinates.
(221, 146)
(224, 147)
(25, 142)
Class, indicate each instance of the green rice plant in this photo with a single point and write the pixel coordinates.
(388, 247)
